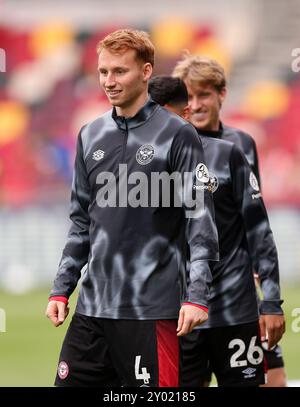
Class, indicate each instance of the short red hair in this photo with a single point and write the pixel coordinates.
(121, 40)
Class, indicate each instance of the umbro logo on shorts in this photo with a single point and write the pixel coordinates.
(249, 372)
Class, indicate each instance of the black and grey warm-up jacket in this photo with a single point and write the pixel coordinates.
(245, 237)
(136, 253)
(245, 143)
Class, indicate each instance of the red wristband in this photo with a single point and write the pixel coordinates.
(196, 305)
(59, 298)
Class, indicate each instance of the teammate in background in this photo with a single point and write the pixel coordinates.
(133, 303)
(170, 93)
(196, 365)
(206, 84)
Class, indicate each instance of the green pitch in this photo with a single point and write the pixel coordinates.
(30, 346)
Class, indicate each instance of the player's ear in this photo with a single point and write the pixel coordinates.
(147, 71)
(186, 113)
(222, 95)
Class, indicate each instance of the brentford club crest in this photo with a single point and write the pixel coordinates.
(145, 154)
(98, 155)
(63, 370)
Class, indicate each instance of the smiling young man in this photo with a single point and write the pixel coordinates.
(206, 86)
(230, 342)
(133, 301)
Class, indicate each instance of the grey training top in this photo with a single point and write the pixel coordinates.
(136, 254)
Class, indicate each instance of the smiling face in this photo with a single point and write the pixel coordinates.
(205, 103)
(124, 80)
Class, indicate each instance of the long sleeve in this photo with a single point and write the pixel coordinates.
(260, 239)
(256, 163)
(187, 157)
(76, 251)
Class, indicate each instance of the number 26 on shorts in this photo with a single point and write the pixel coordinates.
(254, 355)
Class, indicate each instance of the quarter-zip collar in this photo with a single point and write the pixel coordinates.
(210, 133)
(126, 123)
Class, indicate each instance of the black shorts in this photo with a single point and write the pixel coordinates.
(106, 352)
(273, 356)
(233, 353)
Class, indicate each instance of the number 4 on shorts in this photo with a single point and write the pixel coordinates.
(145, 376)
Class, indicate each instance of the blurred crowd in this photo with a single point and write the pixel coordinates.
(50, 89)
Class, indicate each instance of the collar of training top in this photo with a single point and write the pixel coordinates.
(141, 117)
(208, 133)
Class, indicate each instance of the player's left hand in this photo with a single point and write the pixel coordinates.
(189, 317)
(272, 327)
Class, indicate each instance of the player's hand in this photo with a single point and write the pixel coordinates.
(272, 327)
(189, 317)
(57, 312)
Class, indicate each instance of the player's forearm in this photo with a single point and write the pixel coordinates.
(74, 258)
(203, 246)
(187, 158)
(267, 267)
(261, 245)
(65, 282)
(76, 251)
(199, 284)
(271, 302)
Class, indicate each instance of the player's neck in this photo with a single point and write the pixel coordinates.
(214, 126)
(132, 109)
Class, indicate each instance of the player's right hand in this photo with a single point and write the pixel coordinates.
(272, 327)
(190, 317)
(57, 312)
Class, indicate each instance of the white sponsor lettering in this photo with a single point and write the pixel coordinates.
(296, 62)
(139, 189)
